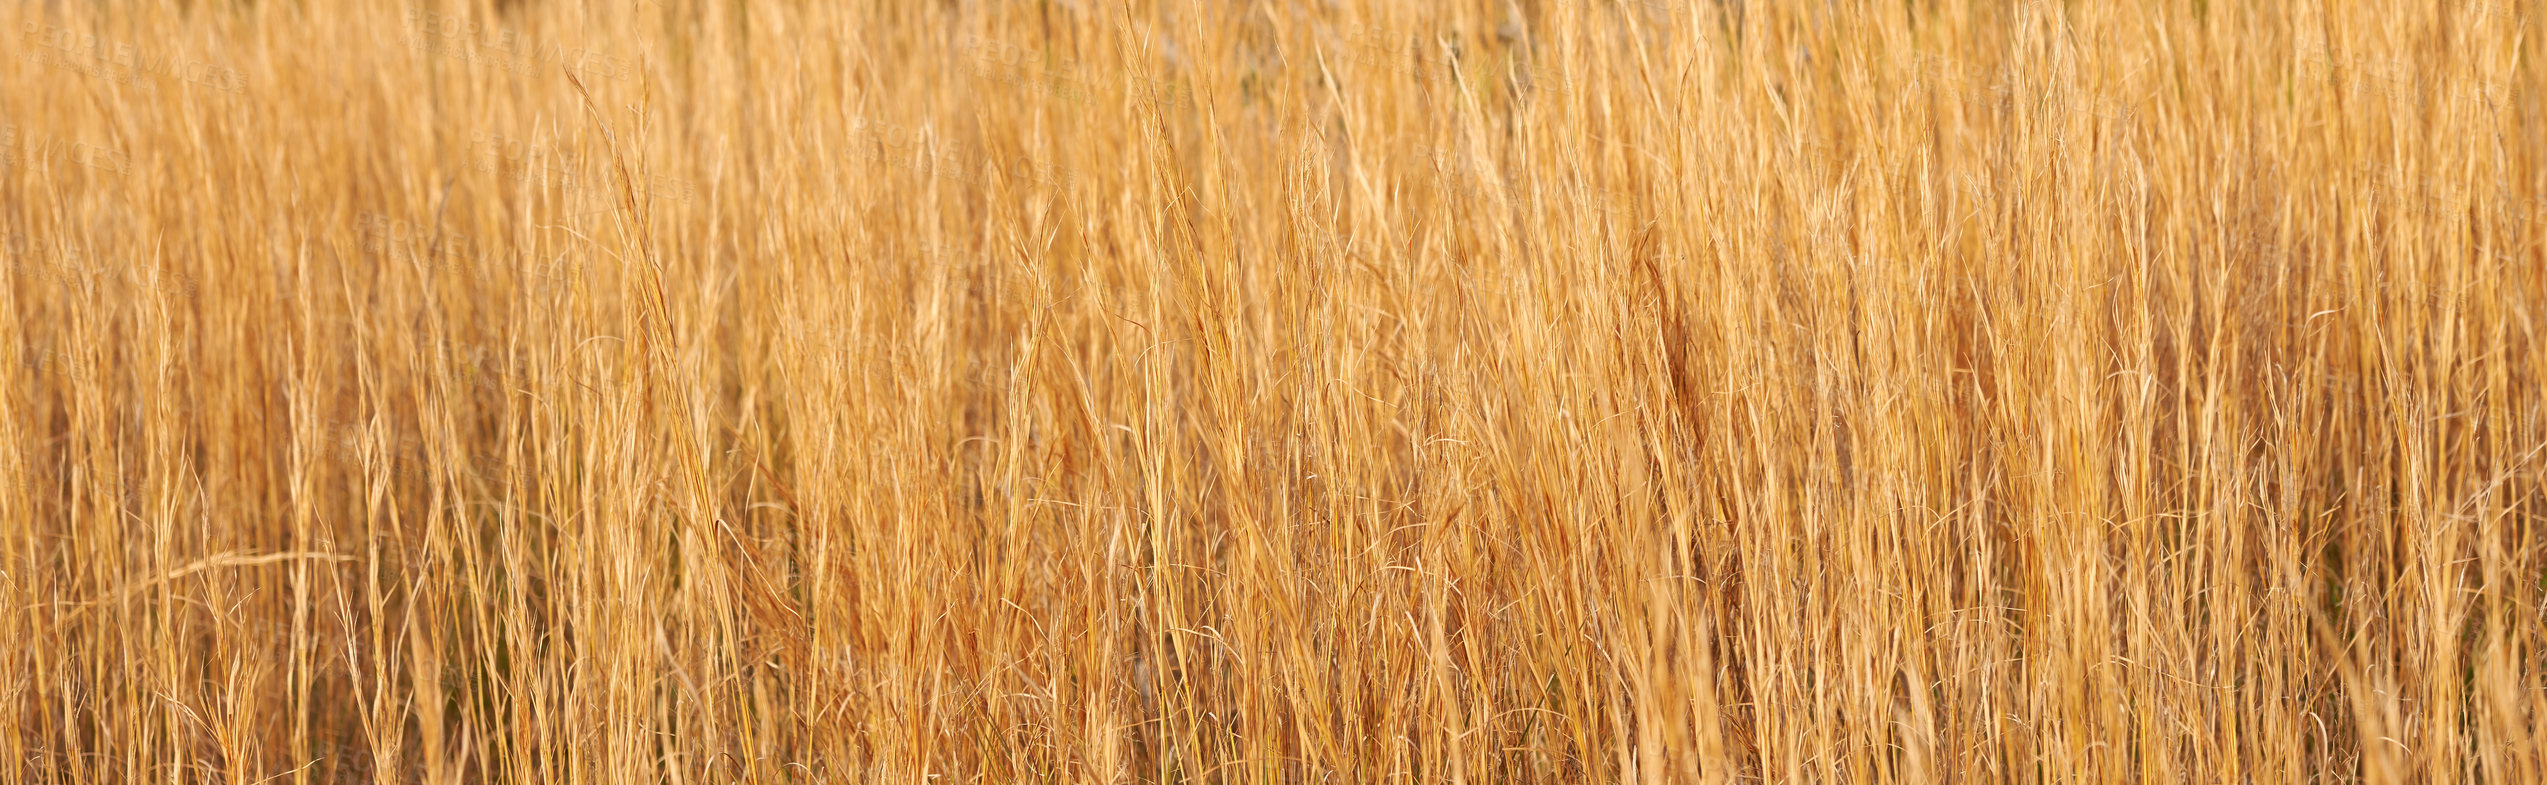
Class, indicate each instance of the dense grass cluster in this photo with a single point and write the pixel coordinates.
(1307, 391)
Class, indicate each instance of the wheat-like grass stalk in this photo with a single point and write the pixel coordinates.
(541, 391)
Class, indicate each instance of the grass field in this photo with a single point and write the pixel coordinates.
(1304, 391)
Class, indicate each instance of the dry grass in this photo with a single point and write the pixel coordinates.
(1572, 391)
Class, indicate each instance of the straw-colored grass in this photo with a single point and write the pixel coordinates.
(686, 392)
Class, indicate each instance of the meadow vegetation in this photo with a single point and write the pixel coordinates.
(1307, 391)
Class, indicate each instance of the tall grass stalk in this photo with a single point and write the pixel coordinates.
(540, 391)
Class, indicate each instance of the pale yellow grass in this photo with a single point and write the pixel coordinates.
(1317, 392)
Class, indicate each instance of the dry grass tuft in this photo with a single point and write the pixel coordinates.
(682, 392)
